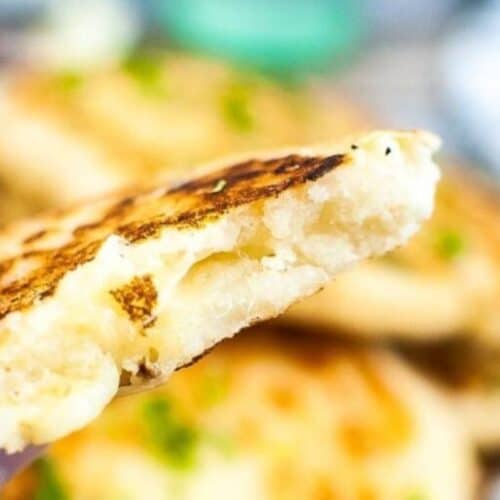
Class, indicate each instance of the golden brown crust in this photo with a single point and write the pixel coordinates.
(138, 299)
(143, 216)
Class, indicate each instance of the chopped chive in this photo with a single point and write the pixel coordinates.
(219, 186)
(168, 435)
(450, 244)
(50, 486)
(68, 81)
(147, 72)
(236, 107)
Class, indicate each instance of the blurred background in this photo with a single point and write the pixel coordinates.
(99, 94)
(432, 63)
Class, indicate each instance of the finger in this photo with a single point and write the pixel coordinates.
(11, 464)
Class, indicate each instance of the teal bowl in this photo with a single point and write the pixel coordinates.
(275, 35)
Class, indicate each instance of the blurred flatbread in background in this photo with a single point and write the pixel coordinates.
(445, 282)
(71, 135)
(272, 416)
(470, 374)
(12, 206)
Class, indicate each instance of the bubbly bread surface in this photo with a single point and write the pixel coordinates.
(120, 292)
(271, 416)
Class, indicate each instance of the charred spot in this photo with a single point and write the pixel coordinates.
(291, 163)
(137, 231)
(6, 265)
(120, 208)
(32, 253)
(34, 237)
(325, 166)
(138, 299)
(85, 228)
(245, 171)
(294, 169)
(42, 282)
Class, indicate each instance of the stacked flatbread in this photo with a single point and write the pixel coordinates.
(143, 282)
(120, 292)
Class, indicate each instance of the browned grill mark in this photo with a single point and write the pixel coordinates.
(34, 237)
(41, 283)
(143, 216)
(119, 207)
(138, 298)
(6, 266)
(269, 180)
(86, 228)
